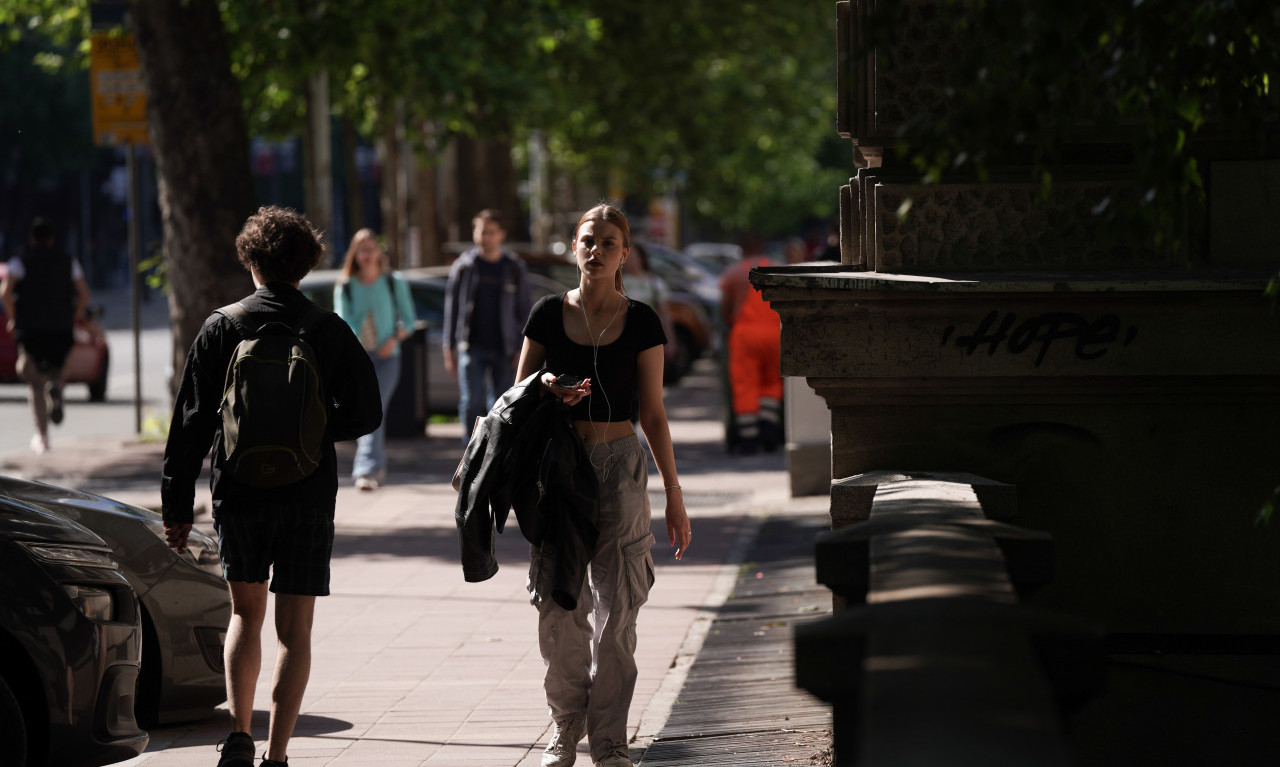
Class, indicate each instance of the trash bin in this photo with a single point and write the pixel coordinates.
(407, 413)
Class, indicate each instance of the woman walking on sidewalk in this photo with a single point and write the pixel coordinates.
(612, 348)
(376, 303)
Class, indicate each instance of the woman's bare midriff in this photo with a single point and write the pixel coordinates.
(596, 432)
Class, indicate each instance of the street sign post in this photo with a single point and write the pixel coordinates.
(119, 96)
(120, 119)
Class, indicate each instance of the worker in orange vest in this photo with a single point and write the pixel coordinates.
(755, 355)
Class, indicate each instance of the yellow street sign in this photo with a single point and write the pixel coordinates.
(119, 97)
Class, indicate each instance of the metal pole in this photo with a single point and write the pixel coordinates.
(537, 191)
(135, 247)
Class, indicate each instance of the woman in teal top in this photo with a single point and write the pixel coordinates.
(376, 303)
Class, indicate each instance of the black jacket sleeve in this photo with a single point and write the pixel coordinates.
(356, 406)
(195, 420)
(483, 496)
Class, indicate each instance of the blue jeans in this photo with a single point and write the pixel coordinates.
(371, 449)
(476, 368)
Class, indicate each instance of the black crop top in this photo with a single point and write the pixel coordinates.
(613, 373)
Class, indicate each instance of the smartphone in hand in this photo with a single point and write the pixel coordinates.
(567, 381)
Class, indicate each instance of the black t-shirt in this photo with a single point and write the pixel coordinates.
(486, 328)
(45, 297)
(612, 370)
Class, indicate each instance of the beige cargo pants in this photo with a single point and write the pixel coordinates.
(590, 652)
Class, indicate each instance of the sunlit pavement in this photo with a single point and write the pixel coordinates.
(412, 665)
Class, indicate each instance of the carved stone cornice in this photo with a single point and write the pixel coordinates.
(844, 323)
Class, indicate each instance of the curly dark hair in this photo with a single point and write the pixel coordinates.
(280, 244)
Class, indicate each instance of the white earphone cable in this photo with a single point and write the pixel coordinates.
(595, 369)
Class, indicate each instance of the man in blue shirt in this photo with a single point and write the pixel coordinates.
(485, 308)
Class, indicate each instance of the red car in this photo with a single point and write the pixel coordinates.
(88, 362)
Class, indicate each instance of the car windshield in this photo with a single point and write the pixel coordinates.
(674, 265)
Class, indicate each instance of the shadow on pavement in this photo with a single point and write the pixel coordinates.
(712, 536)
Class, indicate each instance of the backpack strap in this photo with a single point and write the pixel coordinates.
(395, 304)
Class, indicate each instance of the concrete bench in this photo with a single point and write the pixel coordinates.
(933, 660)
(930, 525)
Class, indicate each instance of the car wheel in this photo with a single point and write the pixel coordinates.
(13, 727)
(98, 386)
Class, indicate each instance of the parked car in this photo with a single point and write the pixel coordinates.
(88, 363)
(184, 603)
(693, 302)
(425, 387)
(716, 256)
(695, 333)
(684, 273)
(70, 644)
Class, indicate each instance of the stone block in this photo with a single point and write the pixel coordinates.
(1244, 206)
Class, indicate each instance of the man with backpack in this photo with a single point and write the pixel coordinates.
(271, 382)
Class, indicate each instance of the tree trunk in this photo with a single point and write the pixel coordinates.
(319, 159)
(427, 213)
(201, 149)
(539, 217)
(486, 178)
(389, 191)
(448, 202)
(353, 188)
(505, 189)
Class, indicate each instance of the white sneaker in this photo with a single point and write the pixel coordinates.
(366, 483)
(616, 758)
(562, 749)
(39, 444)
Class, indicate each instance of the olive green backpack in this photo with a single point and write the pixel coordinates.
(273, 403)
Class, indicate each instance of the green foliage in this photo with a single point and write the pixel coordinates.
(1268, 508)
(730, 103)
(727, 101)
(155, 271)
(45, 122)
(64, 23)
(1158, 72)
(462, 67)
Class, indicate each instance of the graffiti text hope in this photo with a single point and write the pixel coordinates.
(1091, 338)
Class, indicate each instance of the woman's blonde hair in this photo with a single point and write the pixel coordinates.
(349, 263)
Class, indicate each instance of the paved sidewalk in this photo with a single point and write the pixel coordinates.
(413, 666)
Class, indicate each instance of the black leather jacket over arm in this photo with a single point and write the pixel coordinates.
(526, 455)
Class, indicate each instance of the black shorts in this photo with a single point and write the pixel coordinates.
(47, 349)
(290, 542)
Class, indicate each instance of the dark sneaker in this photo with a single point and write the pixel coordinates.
(270, 763)
(55, 405)
(237, 750)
